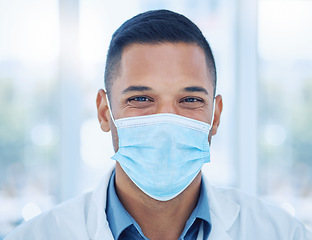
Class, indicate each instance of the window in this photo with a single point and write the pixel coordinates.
(29, 132)
(285, 105)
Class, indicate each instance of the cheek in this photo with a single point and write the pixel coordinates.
(200, 114)
(115, 138)
(133, 112)
(209, 138)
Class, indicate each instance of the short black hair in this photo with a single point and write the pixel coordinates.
(154, 27)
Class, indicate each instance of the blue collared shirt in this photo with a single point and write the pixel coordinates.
(123, 226)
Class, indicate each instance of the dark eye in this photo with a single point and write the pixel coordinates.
(140, 101)
(191, 99)
(192, 102)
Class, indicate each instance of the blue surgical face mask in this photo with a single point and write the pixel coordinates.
(162, 153)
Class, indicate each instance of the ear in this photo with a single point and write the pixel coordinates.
(103, 110)
(217, 114)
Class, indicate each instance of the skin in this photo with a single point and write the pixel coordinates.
(161, 78)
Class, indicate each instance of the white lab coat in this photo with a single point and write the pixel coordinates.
(233, 215)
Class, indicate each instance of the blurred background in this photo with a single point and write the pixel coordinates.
(52, 59)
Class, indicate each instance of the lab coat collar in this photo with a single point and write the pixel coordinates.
(97, 223)
(223, 210)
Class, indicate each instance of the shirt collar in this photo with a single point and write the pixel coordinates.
(117, 215)
(201, 212)
(204, 209)
(203, 204)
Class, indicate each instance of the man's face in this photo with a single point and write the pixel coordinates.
(162, 78)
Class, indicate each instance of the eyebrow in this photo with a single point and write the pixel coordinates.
(136, 89)
(195, 89)
(144, 88)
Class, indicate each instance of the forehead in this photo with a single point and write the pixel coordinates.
(171, 63)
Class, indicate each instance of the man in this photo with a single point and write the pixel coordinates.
(161, 108)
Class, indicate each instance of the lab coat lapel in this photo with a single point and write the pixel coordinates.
(97, 224)
(223, 212)
(218, 232)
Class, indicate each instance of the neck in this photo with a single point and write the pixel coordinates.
(157, 219)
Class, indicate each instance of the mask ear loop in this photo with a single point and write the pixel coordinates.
(110, 110)
(213, 111)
